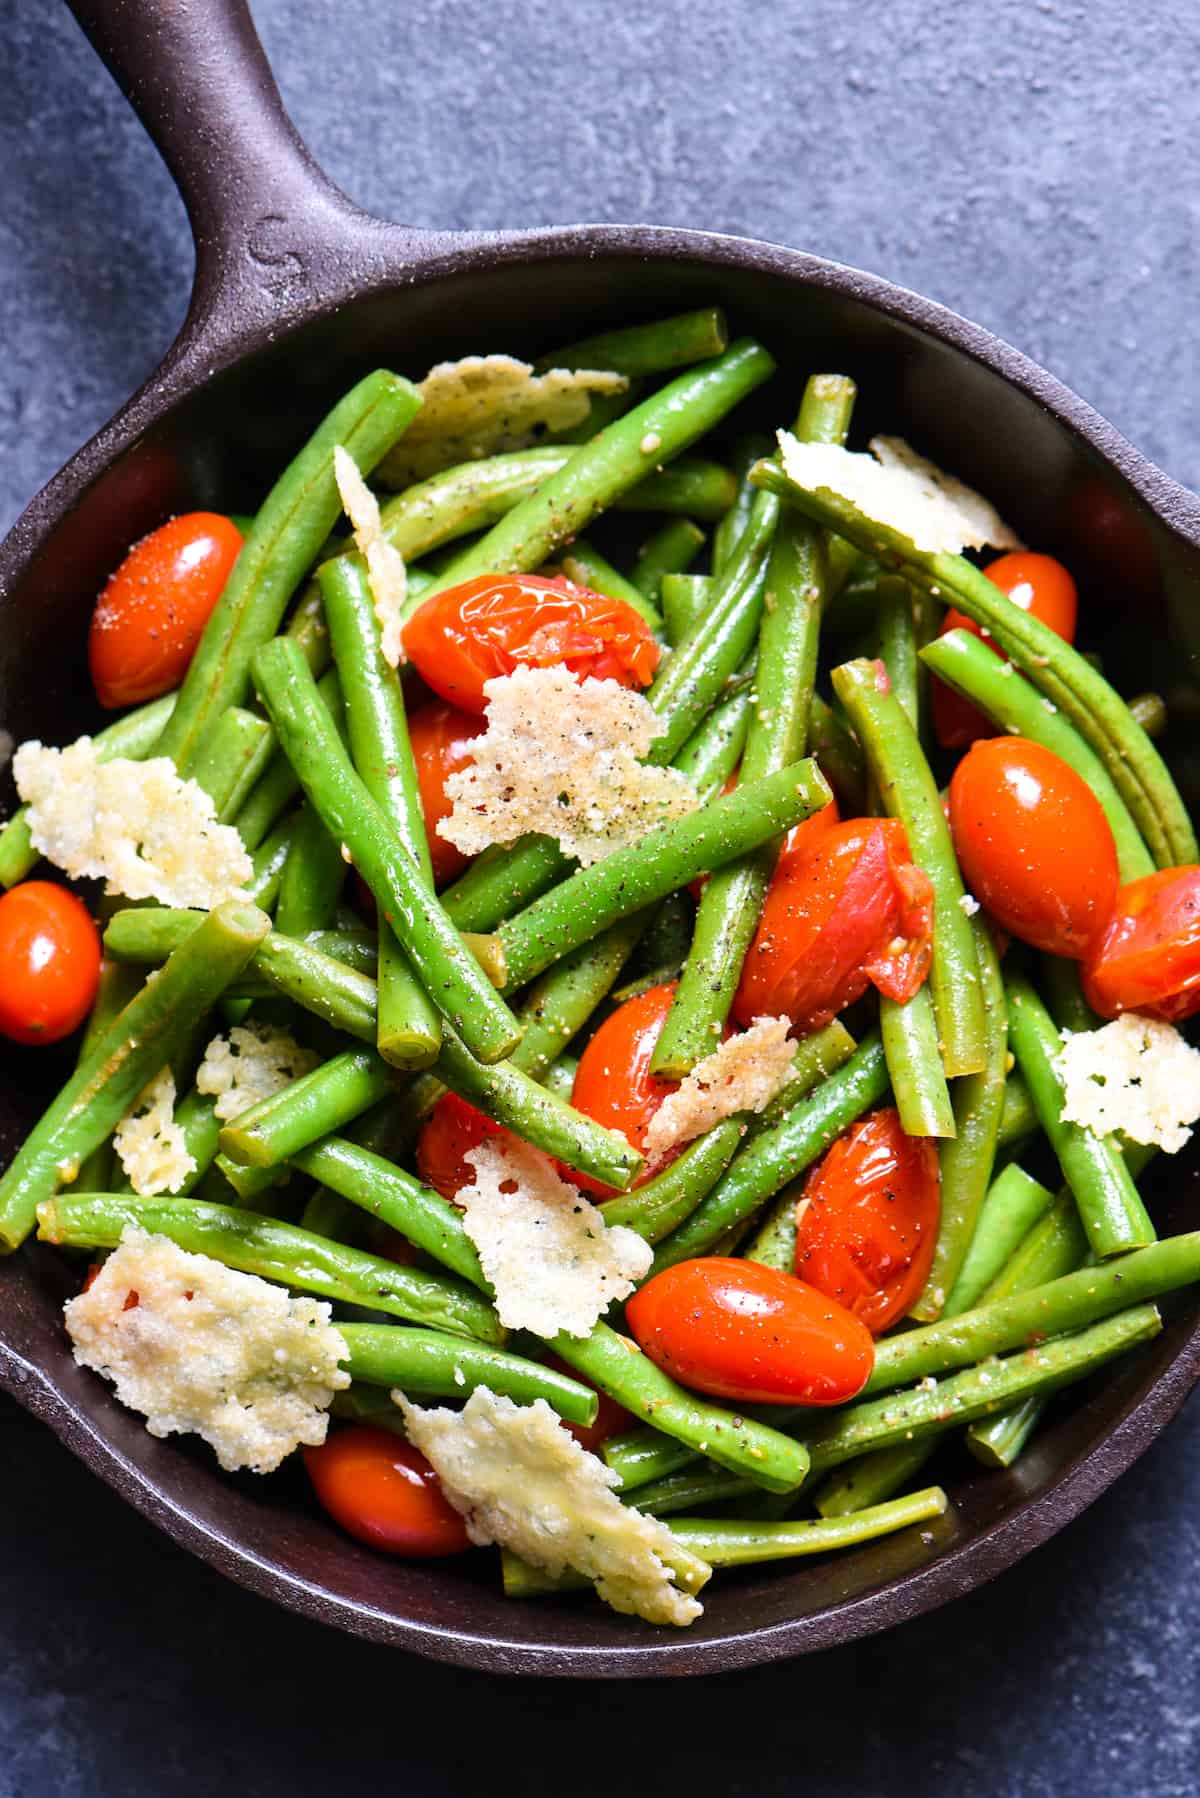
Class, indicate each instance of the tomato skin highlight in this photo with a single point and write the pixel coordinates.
(150, 616)
(452, 1129)
(1041, 586)
(1033, 843)
(382, 1491)
(847, 908)
(741, 1331)
(613, 1082)
(441, 736)
(50, 954)
(867, 1222)
(490, 625)
(1147, 957)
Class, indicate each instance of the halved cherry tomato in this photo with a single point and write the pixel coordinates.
(867, 1224)
(1033, 843)
(613, 1082)
(749, 1333)
(383, 1492)
(1040, 586)
(490, 625)
(1147, 957)
(451, 1130)
(440, 734)
(846, 909)
(149, 618)
(50, 954)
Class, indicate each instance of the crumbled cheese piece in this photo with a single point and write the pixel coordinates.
(551, 1259)
(137, 825)
(197, 1347)
(484, 405)
(518, 1477)
(898, 489)
(969, 904)
(562, 757)
(252, 1063)
(1136, 1075)
(744, 1074)
(385, 565)
(150, 1145)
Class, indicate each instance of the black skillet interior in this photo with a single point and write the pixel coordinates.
(1035, 451)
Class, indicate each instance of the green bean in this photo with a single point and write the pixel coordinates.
(816, 1057)
(839, 756)
(277, 787)
(672, 549)
(666, 858)
(1058, 671)
(727, 535)
(269, 860)
(275, 1251)
(778, 1155)
(910, 1044)
(690, 487)
(614, 1364)
(583, 564)
(232, 757)
(290, 527)
(314, 1106)
(651, 349)
(909, 792)
(653, 432)
(1013, 1205)
(695, 1488)
(968, 665)
(1064, 994)
(558, 1004)
(385, 1192)
(451, 977)
(641, 1457)
(658, 1207)
(1111, 1211)
(559, 1077)
(132, 737)
(326, 1213)
(429, 1364)
(967, 1159)
(147, 1034)
(714, 749)
(871, 1479)
(683, 598)
(1018, 1119)
(503, 879)
(307, 625)
(116, 987)
(898, 644)
(313, 876)
(409, 1026)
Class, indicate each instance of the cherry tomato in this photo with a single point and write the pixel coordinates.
(381, 1490)
(450, 1131)
(148, 620)
(50, 954)
(1040, 586)
(1147, 957)
(1033, 843)
(613, 1082)
(801, 837)
(867, 1225)
(749, 1333)
(846, 909)
(440, 735)
(490, 625)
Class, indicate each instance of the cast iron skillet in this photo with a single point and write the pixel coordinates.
(297, 293)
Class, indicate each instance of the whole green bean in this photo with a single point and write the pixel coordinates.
(658, 1207)
(502, 880)
(278, 786)
(132, 737)
(450, 975)
(972, 668)
(652, 433)
(269, 860)
(1064, 995)
(561, 1001)
(910, 1043)
(375, 1185)
(683, 598)
(1110, 1208)
(652, 349)
(870, 1479)
(583, 564)
(116, 987)
(316, 1105)
(839, 756)
(643, 1456)
(672, 549)
(430, 1364)
(727, 535)
(909, 792)
(312, 880)
(275, 1251)
(137, 1043)
(1014, 1203)
(290, 527)
(666, 858)
(898, 644)
(714, 749)
(1018, 1119)
(232, 757)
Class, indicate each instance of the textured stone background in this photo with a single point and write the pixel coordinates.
(1032, 165)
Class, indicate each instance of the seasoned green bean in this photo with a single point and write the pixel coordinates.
(672, 549)
(430, 1364)
(583, 564)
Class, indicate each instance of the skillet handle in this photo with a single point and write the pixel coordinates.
(273, 235)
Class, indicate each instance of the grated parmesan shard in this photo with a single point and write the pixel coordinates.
(196, 1347)
(254, 1062)
(386, 572)
(552, 1261)
(135, 825)
(1136, 1075)
(562, 757)
(744, 1074)
(902, 491)
(484, 405)
(519, 1478)
(150, 1145)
